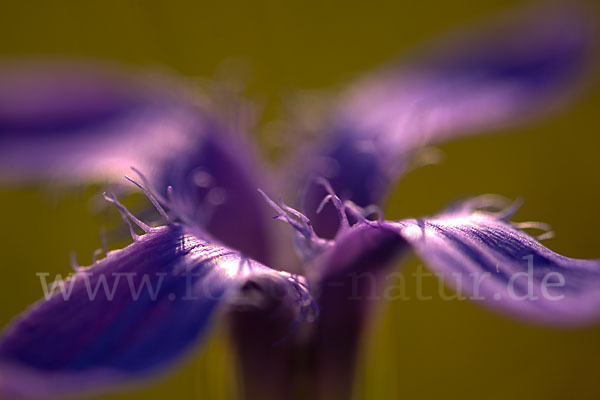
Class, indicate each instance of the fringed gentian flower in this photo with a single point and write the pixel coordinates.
(140, 309)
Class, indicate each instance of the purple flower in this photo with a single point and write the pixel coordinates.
(295, 322)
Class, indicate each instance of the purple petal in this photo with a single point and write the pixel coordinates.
(126, 330)
(494, 263)
(479, 81)
(484, 257)
(215, 185)
(487, 260)
(88, 122)
(82, 121)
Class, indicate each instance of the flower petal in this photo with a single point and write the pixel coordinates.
(215, 185)
(82, 121)
(129, 315)
(504, 268)
(482, 80)
(484, 257)
(88, 122)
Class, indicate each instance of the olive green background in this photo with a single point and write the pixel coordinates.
(417, 349)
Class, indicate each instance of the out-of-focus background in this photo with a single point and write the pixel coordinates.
(417, 349)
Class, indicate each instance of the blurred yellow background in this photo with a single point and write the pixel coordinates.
(417, 349)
